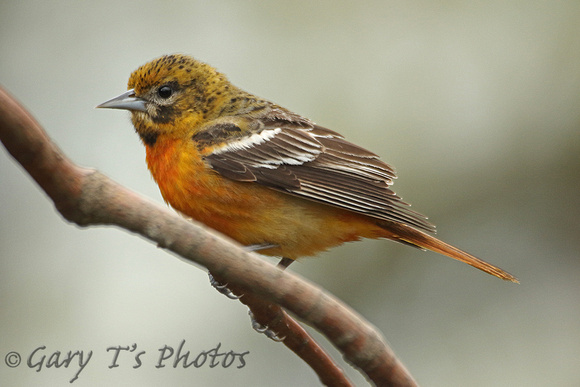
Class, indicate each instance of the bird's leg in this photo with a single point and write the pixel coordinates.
(284, 263)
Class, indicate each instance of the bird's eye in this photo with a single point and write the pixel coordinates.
(165, 92)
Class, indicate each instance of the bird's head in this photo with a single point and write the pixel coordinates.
(171, 95)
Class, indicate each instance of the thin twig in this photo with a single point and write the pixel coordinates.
(272, 317)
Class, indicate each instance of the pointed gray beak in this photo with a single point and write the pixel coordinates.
(126, 101)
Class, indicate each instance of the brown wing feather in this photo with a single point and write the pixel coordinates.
(314, 163)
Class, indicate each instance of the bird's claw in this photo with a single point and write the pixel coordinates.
(223, 289)
(264, 329)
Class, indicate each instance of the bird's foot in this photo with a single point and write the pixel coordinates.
(264, 329)
(223, 289)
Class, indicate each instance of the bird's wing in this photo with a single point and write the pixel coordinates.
(309, 161)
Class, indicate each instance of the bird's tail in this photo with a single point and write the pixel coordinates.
(417, 238)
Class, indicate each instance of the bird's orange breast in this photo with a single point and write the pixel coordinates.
(247, 212)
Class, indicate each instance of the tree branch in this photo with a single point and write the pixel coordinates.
(87, 197)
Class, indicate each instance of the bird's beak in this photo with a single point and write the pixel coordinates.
(127, 101)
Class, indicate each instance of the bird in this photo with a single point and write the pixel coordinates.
(267, 177)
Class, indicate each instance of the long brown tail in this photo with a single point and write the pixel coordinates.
(420, 239)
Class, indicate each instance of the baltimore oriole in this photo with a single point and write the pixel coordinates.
(261, 174)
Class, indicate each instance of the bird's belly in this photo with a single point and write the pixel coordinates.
(253, 214)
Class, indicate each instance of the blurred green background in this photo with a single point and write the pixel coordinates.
(477, 104)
